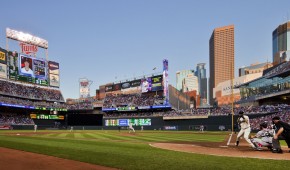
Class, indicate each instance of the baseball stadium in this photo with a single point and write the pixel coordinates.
(42, 130)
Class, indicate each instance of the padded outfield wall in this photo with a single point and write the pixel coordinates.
(211, 123)
(96, 122)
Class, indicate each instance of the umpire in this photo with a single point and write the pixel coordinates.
(283, 133)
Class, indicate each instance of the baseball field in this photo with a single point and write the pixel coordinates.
(143, 149)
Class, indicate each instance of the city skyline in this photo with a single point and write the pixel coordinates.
(126, 39)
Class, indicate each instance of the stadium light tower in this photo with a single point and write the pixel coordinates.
(27, 39)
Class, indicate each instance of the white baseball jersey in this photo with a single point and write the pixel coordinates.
(244, 122)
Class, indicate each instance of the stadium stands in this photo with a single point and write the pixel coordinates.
(15, 119)
(30, 91)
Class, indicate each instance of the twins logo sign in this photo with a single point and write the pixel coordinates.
(28, 49)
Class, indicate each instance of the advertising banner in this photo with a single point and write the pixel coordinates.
(3, 58)
(135, 83)
(3, 71)
(126, 85)
(13, 65)
(53, 67)
(165, 82)
(53, 80)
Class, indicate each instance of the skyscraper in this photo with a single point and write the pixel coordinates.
(190, 83)
(180, 75)
(202, 81)
(221, 57)
(281, 43)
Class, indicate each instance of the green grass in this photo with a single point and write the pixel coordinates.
(124, 151)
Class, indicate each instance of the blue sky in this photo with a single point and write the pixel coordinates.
(109, 40)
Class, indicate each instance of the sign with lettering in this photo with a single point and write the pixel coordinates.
(28, 48)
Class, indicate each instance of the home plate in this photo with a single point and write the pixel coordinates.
(223, 146)
(17, 134)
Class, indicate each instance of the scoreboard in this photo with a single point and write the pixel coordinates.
(43, 116)
(126, 122)
(39, 75)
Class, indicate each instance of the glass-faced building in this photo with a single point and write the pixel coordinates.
(202, 81)
(272, 88)
(281, 43)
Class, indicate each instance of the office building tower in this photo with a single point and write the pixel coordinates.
(281, 43)
(190, 83)
(202, 82)
(180, 75)
(221, 57)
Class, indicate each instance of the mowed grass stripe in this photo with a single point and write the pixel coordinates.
(133, 156)
(183, 137)
(141, 137)
(154, 137)
(96, 136)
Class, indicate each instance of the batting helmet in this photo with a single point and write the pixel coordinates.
(264, 125)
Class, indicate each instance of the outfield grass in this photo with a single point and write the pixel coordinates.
(124, 151)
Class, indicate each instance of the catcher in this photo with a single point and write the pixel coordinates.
(264, 137)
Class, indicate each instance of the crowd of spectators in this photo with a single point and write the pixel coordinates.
(137, 99)
(15, 119)
(45, 104)
(221, 111)
(80, 106)
(30, 91)
(34, 103)
(15, 93)
(284, 115)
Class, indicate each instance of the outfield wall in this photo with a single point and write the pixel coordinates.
(210, 123)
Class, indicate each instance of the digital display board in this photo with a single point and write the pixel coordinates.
(26, 66)
(157, 83)
(27, 69)
(117, 87)
(146, 84)
(127, 108)
(39, 68)
(126, 122)
(43, 116)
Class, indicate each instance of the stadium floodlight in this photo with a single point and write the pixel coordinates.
(27, 38)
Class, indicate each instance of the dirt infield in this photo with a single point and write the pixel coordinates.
(15, 159)
(221, 149)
